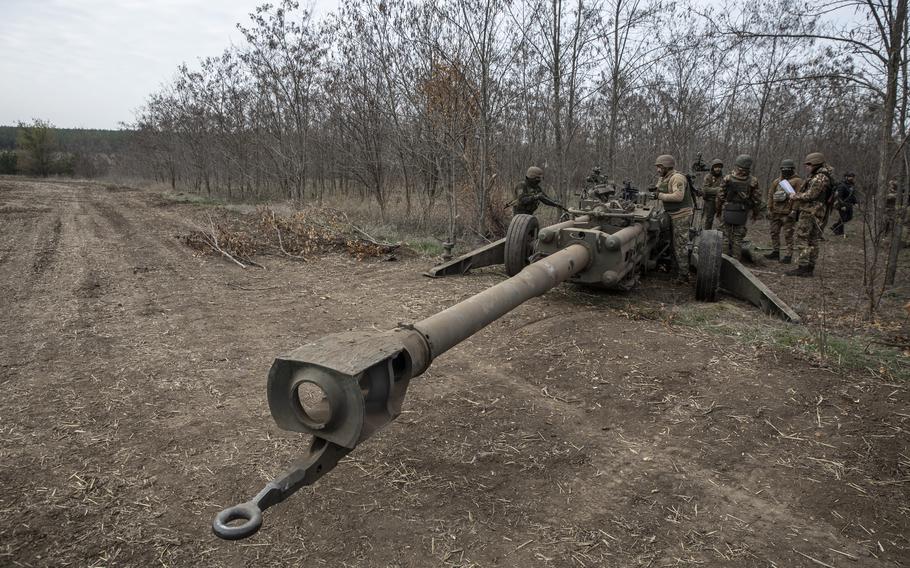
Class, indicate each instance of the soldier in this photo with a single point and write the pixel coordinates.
(711, 186)
(529, 194)
(809, 204)
(738, 195)
(596, 178)
(844, 200)
(779, 211)
(674, 192)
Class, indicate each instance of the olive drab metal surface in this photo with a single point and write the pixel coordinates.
(362, 378)
(629, 237)
(343, 388)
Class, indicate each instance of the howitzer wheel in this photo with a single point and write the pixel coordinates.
(707, 277)
(520, 239)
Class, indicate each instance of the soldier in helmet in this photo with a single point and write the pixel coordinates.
(809, 203)
(738, 195)
(711, 186)
(596, 178)
(779, 210)
(674, 192)
(529, 194)
(844, 201)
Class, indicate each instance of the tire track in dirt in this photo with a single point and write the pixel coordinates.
(44, 254)
(92, 367)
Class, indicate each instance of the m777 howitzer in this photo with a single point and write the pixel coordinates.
(360, 378)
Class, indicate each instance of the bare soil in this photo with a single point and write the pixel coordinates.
(573, 432)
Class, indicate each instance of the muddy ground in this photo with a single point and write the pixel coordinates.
(574, 432)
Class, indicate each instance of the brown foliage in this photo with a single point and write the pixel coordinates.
(311, 231)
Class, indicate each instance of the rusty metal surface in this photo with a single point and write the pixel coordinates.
(450, 327)
(488, 255)
(738, 281)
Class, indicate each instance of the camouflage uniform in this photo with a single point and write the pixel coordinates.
(780, 215)
(526, 194)
(673, 191)
(810, 204)
(596, 178)
(844, 201)
(738, 190)
(710, 187)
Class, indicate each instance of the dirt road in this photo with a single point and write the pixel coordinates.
(570, 433)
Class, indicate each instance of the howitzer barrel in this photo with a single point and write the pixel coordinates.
(453, 325)
(361, 379)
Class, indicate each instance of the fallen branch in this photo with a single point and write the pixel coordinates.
(211, 239)
(370, 239)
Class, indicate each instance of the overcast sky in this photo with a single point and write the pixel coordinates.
(91, 63)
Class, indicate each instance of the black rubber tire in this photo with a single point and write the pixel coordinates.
(520, 239)
(707, 276)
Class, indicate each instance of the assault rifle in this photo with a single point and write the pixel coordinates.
(542, 197)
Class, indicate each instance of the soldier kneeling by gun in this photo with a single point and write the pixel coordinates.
(529, 194)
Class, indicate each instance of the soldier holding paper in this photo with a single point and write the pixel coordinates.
(780, 210)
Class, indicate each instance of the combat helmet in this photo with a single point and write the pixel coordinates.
(815, 159)
(665, 160)
(743, 161)
(787, 164)
(534, 173)
(717, 162)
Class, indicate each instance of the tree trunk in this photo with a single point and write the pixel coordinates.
(886, 159)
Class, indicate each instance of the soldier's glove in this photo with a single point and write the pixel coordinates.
(652, 194)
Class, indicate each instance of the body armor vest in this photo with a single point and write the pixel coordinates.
(671, 207)
(737, 190)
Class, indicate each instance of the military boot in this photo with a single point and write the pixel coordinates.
(803, 271)
(786, 259)
(773, 255)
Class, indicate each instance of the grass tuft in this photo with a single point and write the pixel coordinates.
(425, 246)
(191, 198)
(860, 352)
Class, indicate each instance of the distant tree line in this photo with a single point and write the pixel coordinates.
(38, 148)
